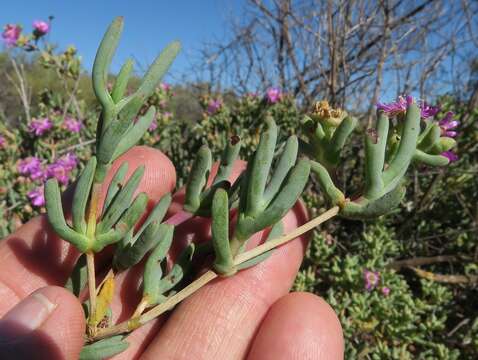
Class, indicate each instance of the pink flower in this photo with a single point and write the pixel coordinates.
(165, 87)
(40, 28)
(11, 33)
(400, 106)
(385, 291)
(371, 279)
(427, 110)
(273, 95)
(3, 142)
(213, 106)
(153, 126)
(62, 168)
(447, 124)
(72, 124)
(40, 126)
(36, 196)
(31, 167)
(450, 155)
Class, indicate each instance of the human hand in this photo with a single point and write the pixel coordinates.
(249, 315)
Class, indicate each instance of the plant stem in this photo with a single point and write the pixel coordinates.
(90, 255)
(90, 264)
(140, 308)
(210, 275)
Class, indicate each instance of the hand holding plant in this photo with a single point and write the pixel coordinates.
(110, 212)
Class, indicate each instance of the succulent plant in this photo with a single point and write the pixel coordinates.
(272, 183)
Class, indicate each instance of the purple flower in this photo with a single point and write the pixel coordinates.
(37, 197)
(62, 168)
(385, 291)
(447, 124)
(153, 126)
(165, 87)
(2, 142)
(371, 279)
(450, 155)
(40, 126)
(11, 33)
(213, 106)
(400, 106)
(72, 124)
(427, 110)
(273, 95)
(40, 28)
(32, 167)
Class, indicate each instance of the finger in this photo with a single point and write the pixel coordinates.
(48, 324)
(34, 256)
(220, 320)
(298, 326)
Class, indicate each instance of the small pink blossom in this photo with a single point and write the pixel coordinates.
(400, 106)
(72, 124)
(273, 95)
(3, 142)
(427, 110)
(37, 197)
(385, 291)
(31, 167)
(371, 279)
(447, 124)
(62, 168)
(213, 106)
(40, 126)
(450, 155)
(11, 33)
(153, 126)
(165, 87)
(40, 27)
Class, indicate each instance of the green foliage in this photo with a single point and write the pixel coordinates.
(418, 318)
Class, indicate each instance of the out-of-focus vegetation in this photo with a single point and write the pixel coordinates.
(404, 286)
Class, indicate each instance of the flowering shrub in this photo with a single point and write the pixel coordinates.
(387, 310)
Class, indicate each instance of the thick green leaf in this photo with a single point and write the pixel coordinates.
(104, 348)
(81, 196)
(56, 217)
(223, 262)
(120, 203)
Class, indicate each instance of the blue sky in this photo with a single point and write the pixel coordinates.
(149, 25)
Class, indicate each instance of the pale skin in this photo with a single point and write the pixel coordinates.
(251, 315)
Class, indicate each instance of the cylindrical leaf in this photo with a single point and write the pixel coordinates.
(134, 134)
(261, 164)
(81, 196)
(152, 270)
(375, 148)
(285, 163)
(197, 179)
(115, 185)
(121, 202)
(121, 82)
(103, 58)
(406, 149)
(157, 70)
(56, 217)
(223, 263)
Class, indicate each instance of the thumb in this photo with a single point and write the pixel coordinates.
(48, 324)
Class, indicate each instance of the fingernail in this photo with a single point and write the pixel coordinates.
(31, 312)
